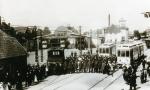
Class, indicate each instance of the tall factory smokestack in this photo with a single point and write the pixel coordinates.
(0, 21)
(109, 20)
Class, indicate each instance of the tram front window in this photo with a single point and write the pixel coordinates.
(122, 53)
(107, 50)
(118, 52)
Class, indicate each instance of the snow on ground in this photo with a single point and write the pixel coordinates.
(78, 81)
(88, 81)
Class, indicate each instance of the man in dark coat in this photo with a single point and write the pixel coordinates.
(143, 63)
(133, 81)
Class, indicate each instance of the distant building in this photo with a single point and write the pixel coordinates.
(65, 31)
(116, 33)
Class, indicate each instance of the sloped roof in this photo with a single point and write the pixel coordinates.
(68, 28)
(10, 47)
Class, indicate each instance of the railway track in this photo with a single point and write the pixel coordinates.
(102, 81)
(68, 82)
(112, 82)
(69, 78)
(54, 81)
(98, 82)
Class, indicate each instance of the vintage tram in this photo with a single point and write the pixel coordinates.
(107, 49)
(128, 53)
(62, 47)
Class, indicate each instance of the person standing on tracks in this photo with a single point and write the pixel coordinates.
(143, 64)
(148, 70)
(132, 81)
(143, 76)
(125, 74)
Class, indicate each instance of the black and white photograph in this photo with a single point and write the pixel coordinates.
(74, 44)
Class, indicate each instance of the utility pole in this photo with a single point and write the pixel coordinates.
(0, 21)
(109, 20)
(97, 39)
(41, 45)
(80, 40)
(36, 46)
(91, 41)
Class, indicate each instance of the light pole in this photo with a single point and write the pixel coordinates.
(41, 45)
(36, 45)
(80, 40)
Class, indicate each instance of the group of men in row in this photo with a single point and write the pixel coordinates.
(85, 64)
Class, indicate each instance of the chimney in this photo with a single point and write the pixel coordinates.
(109, 20)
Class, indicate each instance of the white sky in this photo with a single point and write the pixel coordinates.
(90, 14)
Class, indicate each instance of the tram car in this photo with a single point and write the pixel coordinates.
(130, 52)
(63, 47)
(107, 49)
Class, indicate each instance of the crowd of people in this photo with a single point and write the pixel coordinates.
(34, 74)
(86, 64)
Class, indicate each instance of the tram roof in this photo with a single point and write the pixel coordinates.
(105, 45)
(130, 44)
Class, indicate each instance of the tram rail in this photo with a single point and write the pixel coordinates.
(54, 83)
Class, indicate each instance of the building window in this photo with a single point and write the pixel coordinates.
(53, 53)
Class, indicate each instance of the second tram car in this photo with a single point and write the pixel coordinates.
(107, 49)
(130, 52)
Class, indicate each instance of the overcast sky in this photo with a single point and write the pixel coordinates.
(90, 14)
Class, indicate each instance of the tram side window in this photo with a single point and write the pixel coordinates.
(127, 53)
(100, 50)
(111, 50)
(131, 53)
(118, 52)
